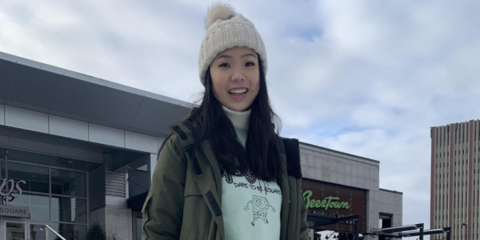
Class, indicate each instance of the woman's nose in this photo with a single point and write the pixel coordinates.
(238, 75)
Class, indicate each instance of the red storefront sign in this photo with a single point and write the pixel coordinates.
(336, 200)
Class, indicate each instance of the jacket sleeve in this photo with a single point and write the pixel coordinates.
(303, 215)
(163, 208)
(292, 152)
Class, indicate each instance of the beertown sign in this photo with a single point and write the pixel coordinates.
(325, 198)
(326, 203)
(9, 189)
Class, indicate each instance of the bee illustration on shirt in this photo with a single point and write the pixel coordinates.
(260, 206)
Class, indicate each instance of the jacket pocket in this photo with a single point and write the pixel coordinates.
(191, 187)
(192, 194)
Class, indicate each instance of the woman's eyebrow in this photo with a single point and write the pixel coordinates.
(223, 56)
(228, 56)
(249, 54)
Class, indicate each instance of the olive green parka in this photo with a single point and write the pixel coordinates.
(184, 201)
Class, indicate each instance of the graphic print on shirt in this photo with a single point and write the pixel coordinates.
(251, 179)
(248, 176)
(260, 207)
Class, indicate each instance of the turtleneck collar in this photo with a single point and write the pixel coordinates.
(238, 119)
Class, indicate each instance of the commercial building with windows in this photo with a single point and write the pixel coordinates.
(79, 148)
(75, 150)
(455, 175)
(354, 182)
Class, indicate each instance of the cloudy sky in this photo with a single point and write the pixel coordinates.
(364, 77)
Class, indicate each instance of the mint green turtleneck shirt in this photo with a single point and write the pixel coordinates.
(250, 206)
(240, 122)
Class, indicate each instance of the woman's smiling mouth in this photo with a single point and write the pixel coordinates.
(238, 90)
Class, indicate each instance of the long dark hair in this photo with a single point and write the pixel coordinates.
(261, 155)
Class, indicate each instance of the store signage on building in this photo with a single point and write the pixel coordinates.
(11, 189)
(335, 200)
(12, 211)
(326, 203)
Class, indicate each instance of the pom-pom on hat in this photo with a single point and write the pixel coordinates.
(227, 29)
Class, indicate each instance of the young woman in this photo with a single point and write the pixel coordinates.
(224, 173)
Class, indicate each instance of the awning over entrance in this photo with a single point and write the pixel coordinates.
(136, 203)
(317, 221)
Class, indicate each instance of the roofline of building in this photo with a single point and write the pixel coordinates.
(392, 191)
(454, 123)
(90, 79)
(339, 152)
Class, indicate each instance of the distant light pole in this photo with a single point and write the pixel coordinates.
(464, 230)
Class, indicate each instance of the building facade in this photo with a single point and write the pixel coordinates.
(455, 179)
(77, 150)
(354, 180)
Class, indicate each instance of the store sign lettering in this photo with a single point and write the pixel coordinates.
(7, 187)
(325, 203)
(12, 189)
(12, 211)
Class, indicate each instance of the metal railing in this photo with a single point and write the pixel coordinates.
(51, 229)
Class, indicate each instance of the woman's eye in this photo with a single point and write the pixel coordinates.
(250, 64)
(224, 65)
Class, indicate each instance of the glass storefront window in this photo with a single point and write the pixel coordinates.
(37, 232)
(2, 168)
(57, 197)
(3, 200)
(15, 231)
(69, 231)
(66, 209)
(38, 205)
(69, 183)
(36, 177)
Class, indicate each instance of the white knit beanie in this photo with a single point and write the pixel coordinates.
(227, 29)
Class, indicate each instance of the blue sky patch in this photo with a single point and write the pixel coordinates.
(308, 34)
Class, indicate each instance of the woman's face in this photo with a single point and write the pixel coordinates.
(236, 77)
